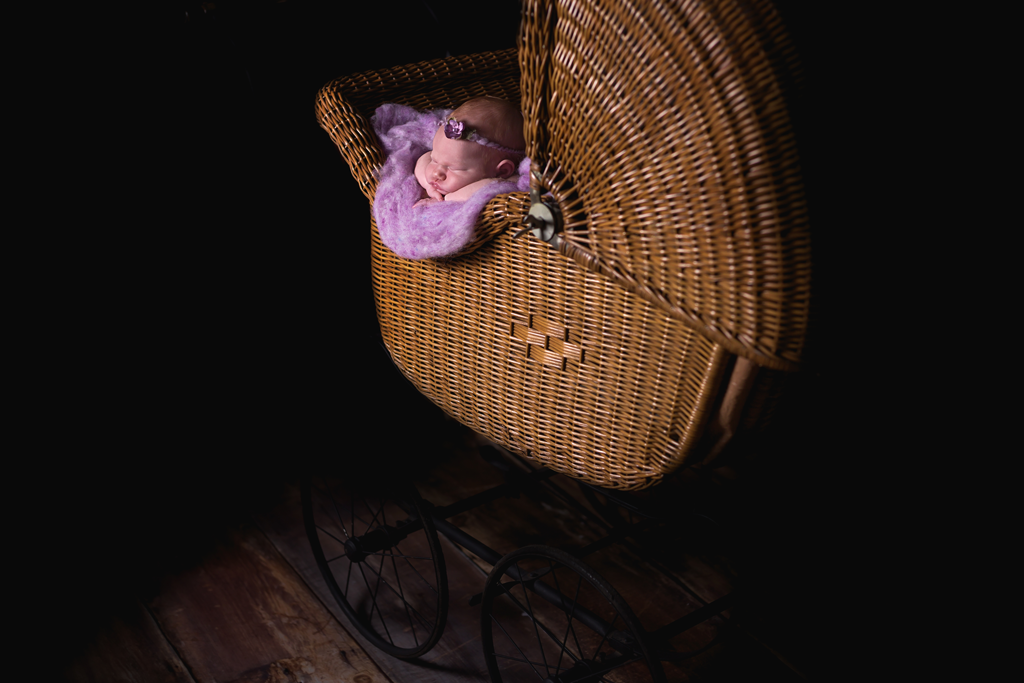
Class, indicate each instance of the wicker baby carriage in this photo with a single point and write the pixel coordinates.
(653, 287)
(660, 137)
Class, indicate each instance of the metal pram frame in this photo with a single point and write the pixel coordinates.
(382, 561)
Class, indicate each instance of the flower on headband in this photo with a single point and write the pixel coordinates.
(456, 130)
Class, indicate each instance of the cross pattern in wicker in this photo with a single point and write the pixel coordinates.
(552, 344)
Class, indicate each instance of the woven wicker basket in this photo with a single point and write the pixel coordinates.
(661, 130)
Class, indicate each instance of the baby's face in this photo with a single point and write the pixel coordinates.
(457, 163)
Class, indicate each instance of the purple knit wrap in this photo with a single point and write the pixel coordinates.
(433, 230)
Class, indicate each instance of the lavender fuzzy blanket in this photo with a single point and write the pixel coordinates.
(431, 230)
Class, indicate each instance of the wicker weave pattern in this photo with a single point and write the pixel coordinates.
(666, 140)
(549, 360)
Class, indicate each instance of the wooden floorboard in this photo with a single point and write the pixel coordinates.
(130, 649)
(244, 616)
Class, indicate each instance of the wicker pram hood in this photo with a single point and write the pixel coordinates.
(664, 133)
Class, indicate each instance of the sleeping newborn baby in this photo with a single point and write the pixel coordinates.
(480, 143)
(440, 170)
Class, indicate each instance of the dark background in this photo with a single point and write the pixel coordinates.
(226, 337)
(254, 349)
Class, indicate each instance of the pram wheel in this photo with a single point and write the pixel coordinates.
(548, 617)
(382, 561)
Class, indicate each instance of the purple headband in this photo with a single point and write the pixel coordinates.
(456, 130)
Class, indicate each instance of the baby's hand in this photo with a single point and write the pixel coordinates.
(468, 191)
(421, 177)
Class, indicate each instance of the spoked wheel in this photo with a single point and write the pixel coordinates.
(381, 559)
(548, 617)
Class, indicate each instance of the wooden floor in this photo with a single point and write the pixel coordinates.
(255, 609)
